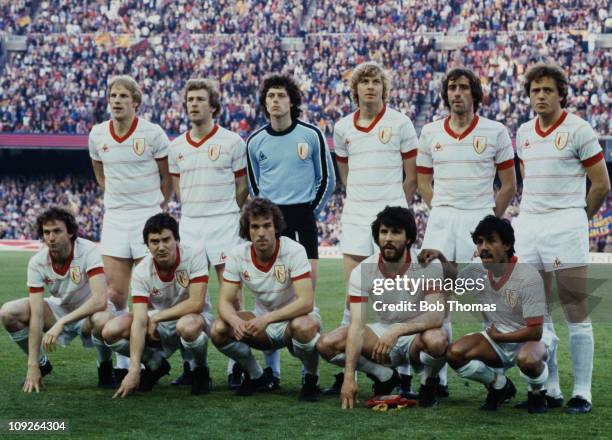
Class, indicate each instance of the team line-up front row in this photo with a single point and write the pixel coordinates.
(172, 311)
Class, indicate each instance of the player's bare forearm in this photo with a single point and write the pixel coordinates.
(595, 199)
(227, 298)
(354, 343)
(193, 304)
(166, 179)
(299, 307)
(426, 321)
(410, 188)
(600, 187)
(303, 304)
(138, 334)
(410, 181)
(425, 187)
(98, 169)
(35, 331)
(242, 190)
(507, 190)
(524, 334)
(95, 303)
(176, 185)
(343, 169)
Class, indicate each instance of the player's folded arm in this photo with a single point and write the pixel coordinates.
(228, 294)
(303, 303)
(431, 319)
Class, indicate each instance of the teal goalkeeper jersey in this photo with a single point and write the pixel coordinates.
(291, 166)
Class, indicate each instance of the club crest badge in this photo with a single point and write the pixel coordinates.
(384, 134)
(182, 278)
(213, 152)
(246, 276)
(139, 146)
(561, 140)
(105, 148)
(511, 298)
(526, 145)
(280, 273)
(155, 292)
(438, 147)
(180, 157)
(302, 150)
(479, 143)
(75, 274)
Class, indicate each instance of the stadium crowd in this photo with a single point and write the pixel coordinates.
(348, 16)
(57, 85)
(21, 200)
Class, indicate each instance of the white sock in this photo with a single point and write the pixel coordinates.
(553, 388)
(582, 347)
(272, 358)
(346, 316)
(500, 381)
(103, 352)
(365, 365)
(308, 354)
(230, 366)
(443, 374)
(478, 371)
(431, 365)
(20, 337)
(241, 353)
(538, 382)
(198, 349)
(405, 369)
(122, 360)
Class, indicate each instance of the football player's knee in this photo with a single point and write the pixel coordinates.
(98, 321)
(437, 346)
(327, 347)
(527, 362)
(303, 329)
(111, 332)
(189, 327)
(455, 355)
(219, 332)
(8, 315)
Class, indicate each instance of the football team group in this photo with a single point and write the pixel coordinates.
(268, 243)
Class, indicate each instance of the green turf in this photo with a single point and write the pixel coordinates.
(168, 412)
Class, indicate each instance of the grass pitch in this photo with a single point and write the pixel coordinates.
(170, 412)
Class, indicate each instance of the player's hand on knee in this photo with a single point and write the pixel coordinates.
(33, 380)
(241, 330)
(51, 336)
(493, 332)
(129, 383)
(387, 341)
(256, 326)
(152, 331)
(348, 393)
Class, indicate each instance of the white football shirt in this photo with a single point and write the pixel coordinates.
(131, 174)
(464, 165)
(555, 163)
(68, 284)
(375, 157)
(271, 283)
(207, 171)
(161, 293)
